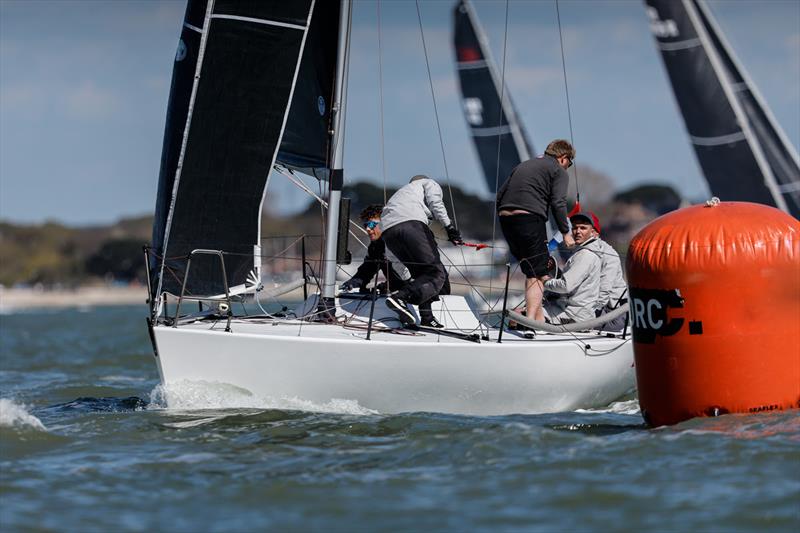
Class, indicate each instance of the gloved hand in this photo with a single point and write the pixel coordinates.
(453, 235)
(350, 284)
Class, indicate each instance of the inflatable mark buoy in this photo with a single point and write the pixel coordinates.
(715, 311)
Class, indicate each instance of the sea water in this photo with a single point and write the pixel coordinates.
(87, 444)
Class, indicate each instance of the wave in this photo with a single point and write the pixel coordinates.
(194, 395)
(17, 416)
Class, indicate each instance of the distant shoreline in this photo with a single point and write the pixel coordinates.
(14, 299)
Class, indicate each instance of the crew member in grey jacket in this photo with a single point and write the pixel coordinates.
(404, 225)
(577, 291)
(534, 189)
(612, 285)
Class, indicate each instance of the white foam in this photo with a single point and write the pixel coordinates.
(117, 378)
(627, 407)
(192, 395)
(15, 415)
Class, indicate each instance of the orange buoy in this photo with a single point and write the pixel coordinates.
(715, 310)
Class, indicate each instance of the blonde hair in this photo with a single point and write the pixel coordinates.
(559, 148)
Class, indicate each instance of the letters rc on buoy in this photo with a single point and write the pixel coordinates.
(715, 311)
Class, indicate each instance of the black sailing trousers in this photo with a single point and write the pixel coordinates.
(413, 244)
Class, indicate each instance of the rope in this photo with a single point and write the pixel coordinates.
(438, 124)
(569, 108)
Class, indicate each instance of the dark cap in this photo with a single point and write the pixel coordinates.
(587, 217)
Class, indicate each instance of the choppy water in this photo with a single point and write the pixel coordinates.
(86, 444)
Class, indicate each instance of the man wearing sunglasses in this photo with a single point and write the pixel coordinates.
(534, 189)
(404, 226)
(376, 256)
(376, 259)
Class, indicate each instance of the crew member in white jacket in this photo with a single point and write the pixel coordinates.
(574, 295)
(404, 225)
(613, 289)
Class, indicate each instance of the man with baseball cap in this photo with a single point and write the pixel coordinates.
(589, 294)
(574, 294)
(613, 288)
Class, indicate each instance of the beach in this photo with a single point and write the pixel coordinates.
(15, 299)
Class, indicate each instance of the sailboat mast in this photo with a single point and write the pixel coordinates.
(336, 180)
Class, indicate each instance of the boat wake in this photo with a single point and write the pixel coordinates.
(194, 395)
(14, 415)
(623, 407)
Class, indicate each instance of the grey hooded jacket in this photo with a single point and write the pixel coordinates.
(578, 287)
(419, 200)
(612, 284)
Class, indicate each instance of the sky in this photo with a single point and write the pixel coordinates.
(84, 88)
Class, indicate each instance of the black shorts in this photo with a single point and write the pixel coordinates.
(527, 240)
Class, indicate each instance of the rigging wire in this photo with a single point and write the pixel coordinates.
(380, 97)
(438, 124)
(566, 90)
(499, 123)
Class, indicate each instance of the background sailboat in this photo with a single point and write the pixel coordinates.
(744, 153)
(497, 134)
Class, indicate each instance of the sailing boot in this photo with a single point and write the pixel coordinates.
(399, 306)
(427, 319)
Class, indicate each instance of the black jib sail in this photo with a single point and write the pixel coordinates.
(234, 75)
(742, 150)
(305, 145)
(499, 138)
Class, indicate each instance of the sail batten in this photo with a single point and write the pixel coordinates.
(259, 21)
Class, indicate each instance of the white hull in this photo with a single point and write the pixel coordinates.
(398, 373)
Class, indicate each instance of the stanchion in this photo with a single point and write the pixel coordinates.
(505, 302)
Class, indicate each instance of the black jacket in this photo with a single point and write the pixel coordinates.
(537, 185)
(376, 259)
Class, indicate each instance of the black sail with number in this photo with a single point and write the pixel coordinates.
(233, 80)
(743, 152)
(499, 139)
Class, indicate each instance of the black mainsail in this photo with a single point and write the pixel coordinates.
(742, 150)
(499, 138)
(236, 70)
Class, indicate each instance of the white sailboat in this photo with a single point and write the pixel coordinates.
(257, 86)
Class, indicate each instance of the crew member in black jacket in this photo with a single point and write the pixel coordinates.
(535, 188)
